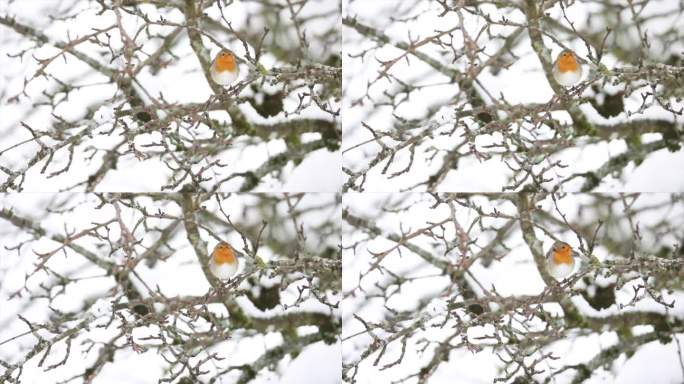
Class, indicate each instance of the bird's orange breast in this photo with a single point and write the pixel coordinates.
(225, 63)
(224, 255)
(563, 256)
(567, 64)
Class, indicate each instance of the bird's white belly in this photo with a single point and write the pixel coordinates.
(560, 271)
(224, 271)
(568, 78)
(224, 77)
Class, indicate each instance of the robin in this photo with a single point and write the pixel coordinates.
(224, 262)
(567, 70)
(224, 68)
(561, 260)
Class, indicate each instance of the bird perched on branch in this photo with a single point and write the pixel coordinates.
(567, 70)
(224, 261)
(561, 260)
(224, 68)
